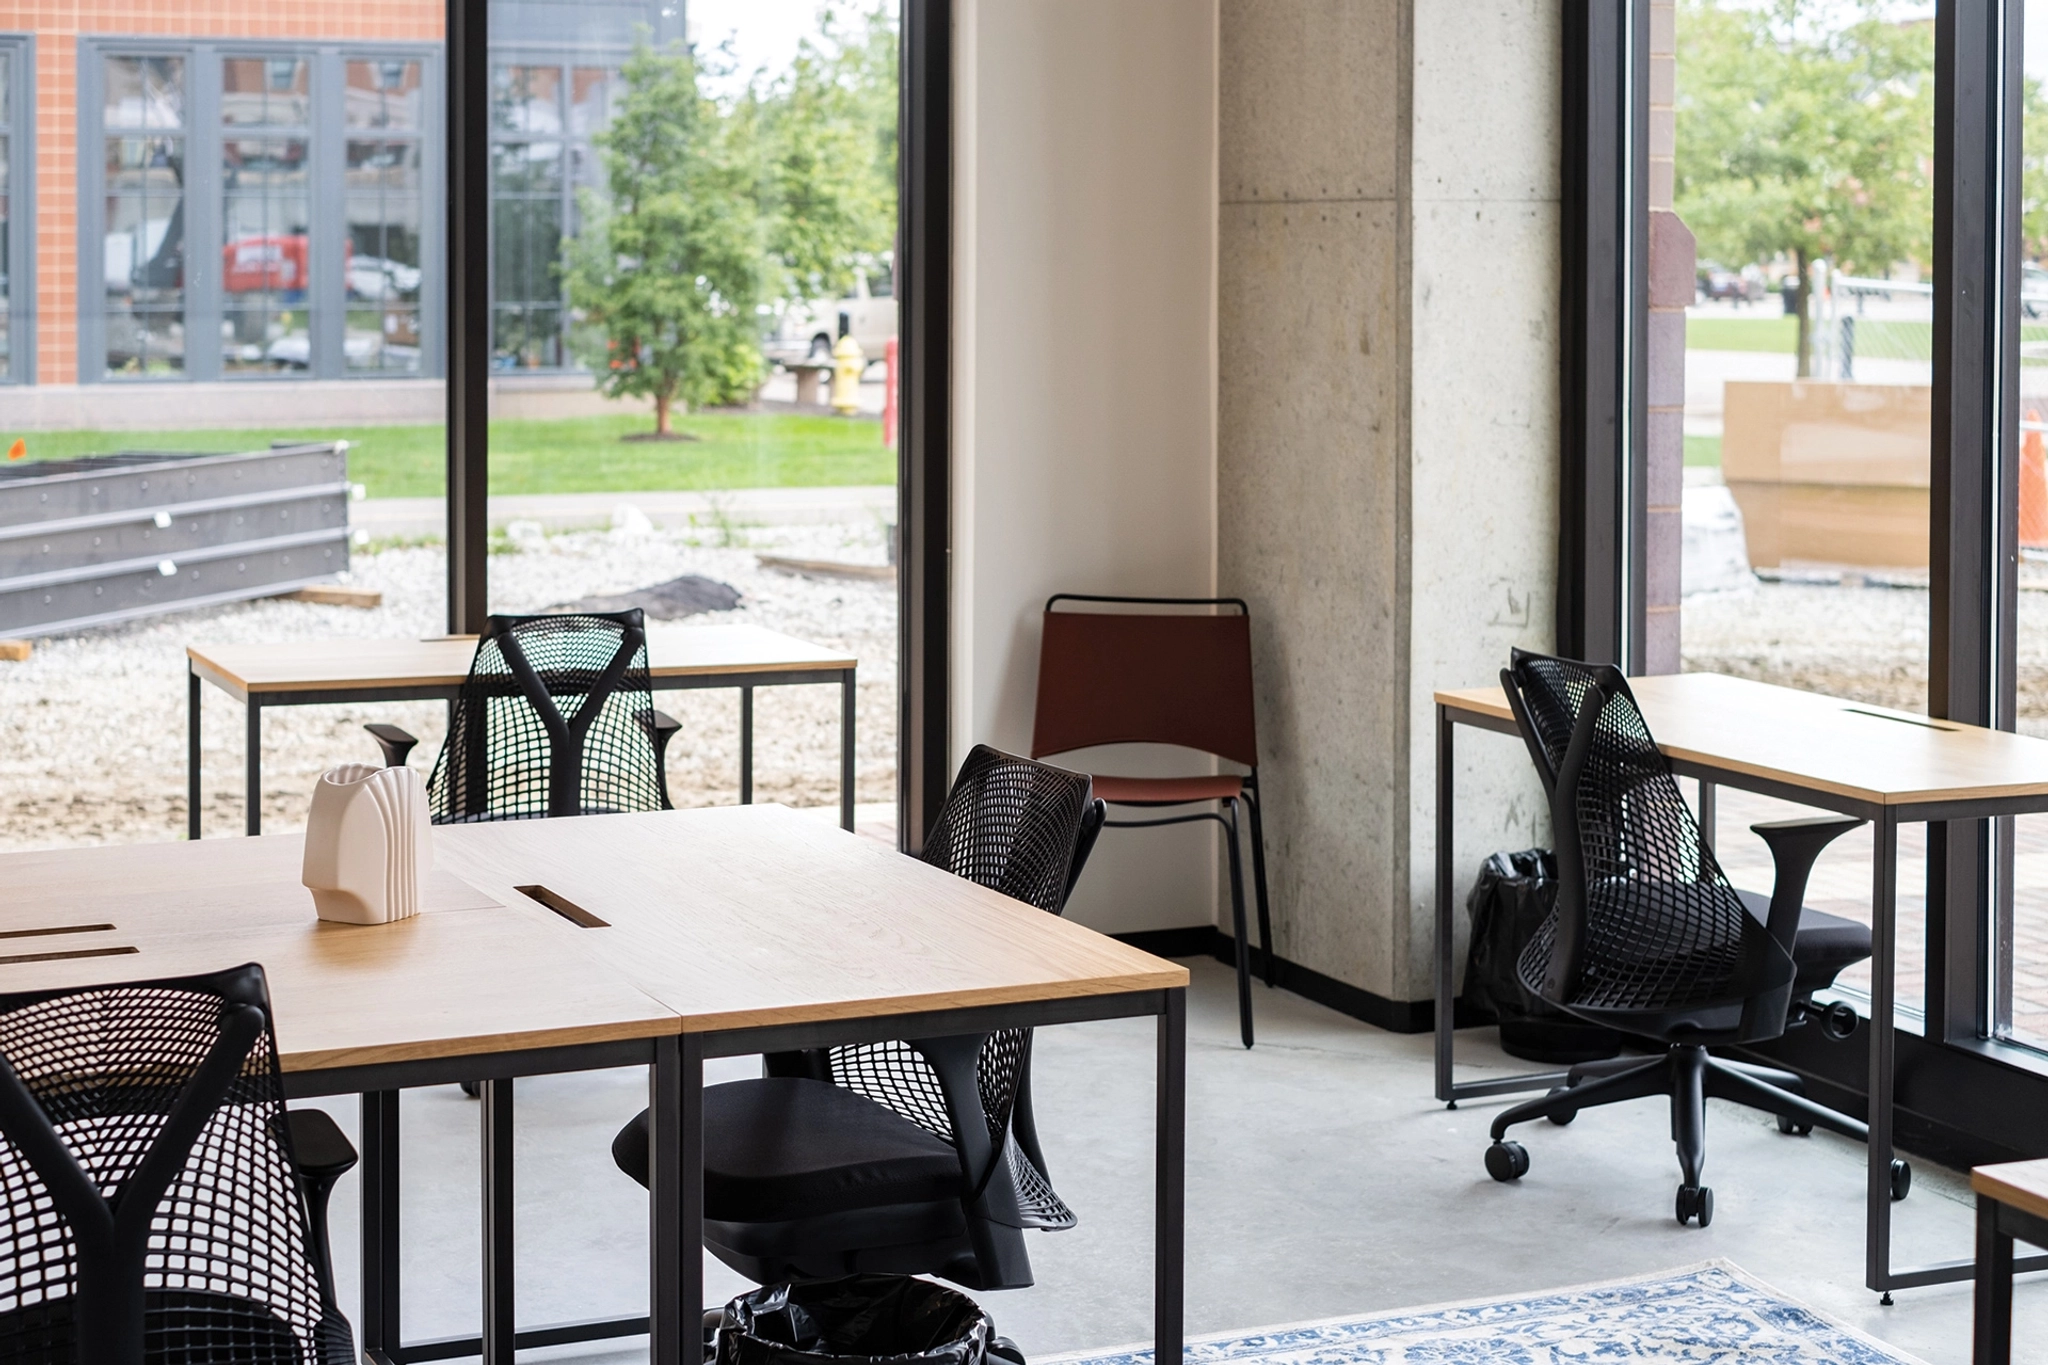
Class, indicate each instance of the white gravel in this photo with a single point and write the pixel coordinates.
(92, 749)
(1866, 643)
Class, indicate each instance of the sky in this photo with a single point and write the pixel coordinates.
(764, 33)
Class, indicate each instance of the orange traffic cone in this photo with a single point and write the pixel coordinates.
(2033, 484)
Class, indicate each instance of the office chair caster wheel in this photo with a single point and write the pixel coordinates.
(1507, 1161)
(1566, 1116)
(1902, 1179)
(1695, 1201)
(1792, 1127)
(473, 1089)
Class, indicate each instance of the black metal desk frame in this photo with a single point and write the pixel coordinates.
(746, 682)
(1884, 820)
(676, 1159)
(1999, 1225)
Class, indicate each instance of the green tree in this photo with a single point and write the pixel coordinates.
(667, 272)
(1800, 135)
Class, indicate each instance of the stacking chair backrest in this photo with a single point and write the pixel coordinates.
(1022, 828)
(555, 718)
(149, 1209)
(1645, 922)
(1157, 677)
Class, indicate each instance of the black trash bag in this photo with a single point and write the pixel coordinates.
(1508, 904)
(861, 1318)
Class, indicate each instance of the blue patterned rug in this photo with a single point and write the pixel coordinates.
(1711, 1314)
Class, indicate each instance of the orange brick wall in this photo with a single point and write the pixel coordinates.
(57, 25)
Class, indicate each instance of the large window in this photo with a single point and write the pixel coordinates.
(385, 118)
(141, 299)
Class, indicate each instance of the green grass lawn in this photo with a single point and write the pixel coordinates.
(576, 455)
(1703, 451)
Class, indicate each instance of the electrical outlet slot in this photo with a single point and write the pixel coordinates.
(13, 958)
(563, 906)
(56, 929)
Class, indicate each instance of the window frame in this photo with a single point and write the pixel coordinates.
(204, 137)
(20, 114)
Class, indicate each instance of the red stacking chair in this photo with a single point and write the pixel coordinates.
(1163, 677)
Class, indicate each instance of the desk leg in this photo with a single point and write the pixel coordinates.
(381, 1340)
(1446, 937)
(499, 1315)
(1994, 1288)
(846, 701)
(746, 746)
(1883, 949)
(1709, 813)
(191, 752)
(254, 762)
(1169, 1273)
(675, 1159)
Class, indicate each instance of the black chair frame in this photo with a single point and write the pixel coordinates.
(1227, 819)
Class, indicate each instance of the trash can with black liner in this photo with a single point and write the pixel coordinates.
(1508, 904)
(863, 1318)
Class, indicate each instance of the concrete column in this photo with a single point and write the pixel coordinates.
(1387, 427)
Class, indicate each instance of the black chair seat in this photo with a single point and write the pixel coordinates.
(784, 1148)
(1826, 946)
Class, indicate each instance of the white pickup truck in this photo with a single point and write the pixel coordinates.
(807, 331)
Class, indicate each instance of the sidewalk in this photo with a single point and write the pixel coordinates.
(387, 517)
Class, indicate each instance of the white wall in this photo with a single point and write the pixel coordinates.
(1084, 364)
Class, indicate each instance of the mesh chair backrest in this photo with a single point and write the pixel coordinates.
(1645, 919)
(555, 718)
(1147, 678)
(149, 1208)
(1015, 826)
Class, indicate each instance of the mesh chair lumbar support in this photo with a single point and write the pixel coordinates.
(149, 1118)
(555, 718)
(1648, 937)
(907, 1158)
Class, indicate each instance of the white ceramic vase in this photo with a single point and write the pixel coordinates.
(368, 844)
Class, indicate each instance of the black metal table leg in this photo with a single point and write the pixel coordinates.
(500, 1318)
(381, 1339)
(254, 764)
(1169, 1272)
(675, 1158)
(1993, 1329)
(747, 746)
(191, 752)
(1709, 812)
(1883, 940)
(1445, 930)
(846, 755)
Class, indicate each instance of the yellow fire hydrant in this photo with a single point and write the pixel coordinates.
(848, 364)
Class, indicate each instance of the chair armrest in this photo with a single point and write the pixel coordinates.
(320, 1150)
(988, 1196)
(1794, 845)
(661, 728)
(395, 743)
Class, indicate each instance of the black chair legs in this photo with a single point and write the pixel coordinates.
(1237, 924)
(1259, 882)
(1690, 1076)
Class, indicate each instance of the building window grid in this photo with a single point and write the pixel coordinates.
(17, 209)
(543, 117)
(266, 155)
(143, 139)
(328, 138)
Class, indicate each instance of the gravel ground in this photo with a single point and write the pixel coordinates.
(94, 747)
(1866, 643)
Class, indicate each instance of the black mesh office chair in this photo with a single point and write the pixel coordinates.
(1648, 936)
(917, 1157)
(555, 718)
(150, 1209)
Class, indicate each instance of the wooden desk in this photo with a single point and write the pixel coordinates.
(2012, 1203)
(325, 672)
(1887, 767)
(709, 933)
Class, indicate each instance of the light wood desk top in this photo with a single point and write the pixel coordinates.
(468, 975)
(332, 665)
(1819, 743)
(745, 916)
(2022, 1185)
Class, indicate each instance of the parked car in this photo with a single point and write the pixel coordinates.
(2033, 289)
(1719, 284)
(806, 331)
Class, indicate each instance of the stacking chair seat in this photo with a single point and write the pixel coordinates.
(1168, 791)
(903, 1157)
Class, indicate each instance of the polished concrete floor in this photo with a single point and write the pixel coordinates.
(1322, 1181)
